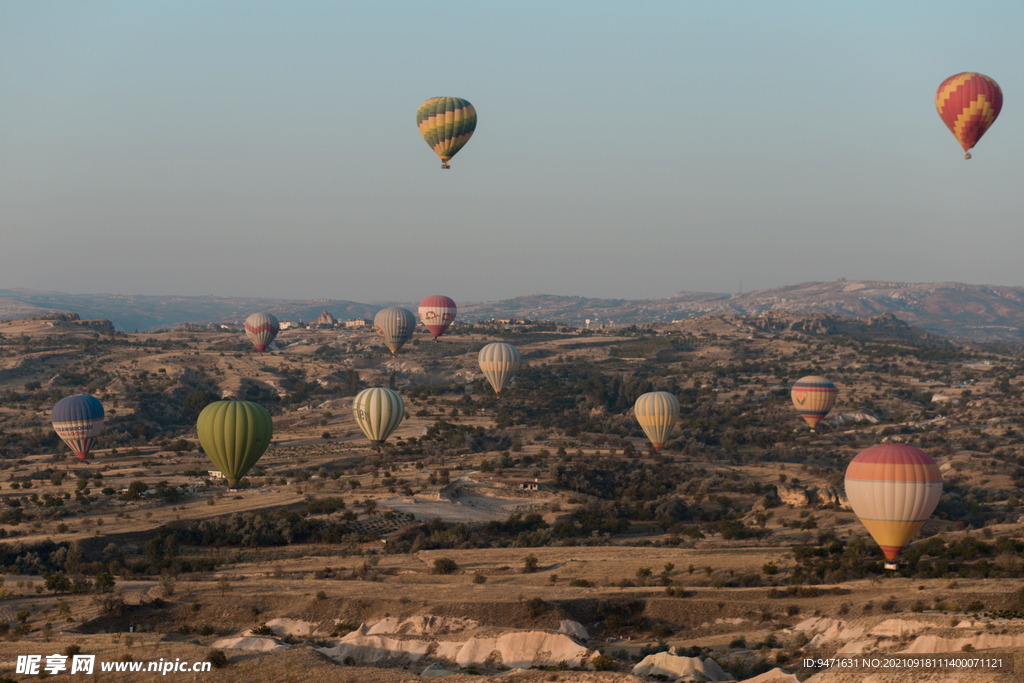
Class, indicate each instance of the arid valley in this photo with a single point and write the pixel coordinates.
(534, 536)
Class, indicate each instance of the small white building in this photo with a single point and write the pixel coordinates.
(215, 474)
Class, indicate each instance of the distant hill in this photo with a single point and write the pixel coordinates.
(977, 313)
(147, 313)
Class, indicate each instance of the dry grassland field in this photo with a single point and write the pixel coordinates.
(535, 537)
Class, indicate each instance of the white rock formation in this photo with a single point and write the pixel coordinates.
(421, 625)
(250, 643)
(291, 627)
(671, 666)
(984, 641)
(574, 629)
(524, 649)
(776, 675)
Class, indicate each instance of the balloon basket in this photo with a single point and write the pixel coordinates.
(447, 166)
(891, 565)
(967, 156)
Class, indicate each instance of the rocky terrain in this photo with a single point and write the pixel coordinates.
(976, 313)
(730, 555)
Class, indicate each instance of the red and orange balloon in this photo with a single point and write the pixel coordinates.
(968, 104)
(893, 489)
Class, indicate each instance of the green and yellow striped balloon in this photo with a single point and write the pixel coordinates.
(378, 412)
(447, 124)
(234, 434)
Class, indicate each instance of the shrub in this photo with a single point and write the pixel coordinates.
(217, 659)
(261, 629)
(579, 583)
(792, 610)
(769, 569)
(603, 663)
(445, 565)
(479, 578)
(530, 564)
(661, 631)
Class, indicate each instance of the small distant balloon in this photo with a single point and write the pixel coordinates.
(893, 489)
(813, 397)
(968, 104)
(395, 326)
(437, 313)
(447, 124)
(234, 434)
(261, 328)
(378, 412)
(498, 361)
(657, 412)
(78, 421)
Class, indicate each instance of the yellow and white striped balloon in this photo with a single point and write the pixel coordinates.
(378, 412)
(499, 361)
(657, 412)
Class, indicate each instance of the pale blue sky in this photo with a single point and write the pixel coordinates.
(270, 148)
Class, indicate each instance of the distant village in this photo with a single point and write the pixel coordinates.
(326, 321)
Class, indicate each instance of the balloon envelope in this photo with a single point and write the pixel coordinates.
(261, 328)
(437, 313)
(234, 434)
(893, 489)
(968, 104)
(447, 124)
(499, 361)
(813, 397)
(657, 412)
(395, 326)
(78, 421)
(378, 412)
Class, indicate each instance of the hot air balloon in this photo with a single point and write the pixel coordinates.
(378, 412)
(498, 361)
(656, 412)
(813, 397)
(437, 313)
(893, 489)
(968, 104)
(447, 124)
(395, 326)
(78, 421)
(234, 434)
(261, 328)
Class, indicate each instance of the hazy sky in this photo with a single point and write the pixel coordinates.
(626, 150)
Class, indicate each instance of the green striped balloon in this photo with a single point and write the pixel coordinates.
(447, 124)
(498, 362)
(378, 412)
(234, 434)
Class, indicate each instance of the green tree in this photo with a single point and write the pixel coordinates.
(195, 402)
